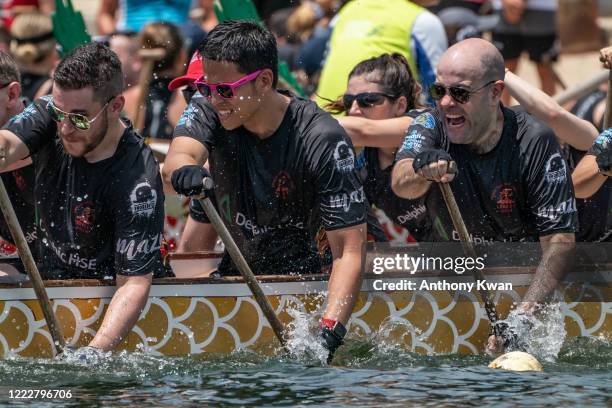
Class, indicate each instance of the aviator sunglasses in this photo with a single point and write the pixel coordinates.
(459, 94)
(224, 89)
(79, 121)
(365, 100)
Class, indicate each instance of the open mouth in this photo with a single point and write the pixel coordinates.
(224, 114)
(455, 121)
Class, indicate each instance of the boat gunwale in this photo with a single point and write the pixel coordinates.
(489, 272)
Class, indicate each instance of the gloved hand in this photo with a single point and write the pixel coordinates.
(188, 179)
(332, 336)
(83, 355)
(603, 151)
(511, 337)
(444, 172)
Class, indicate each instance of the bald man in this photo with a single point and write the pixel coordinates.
(504, 166)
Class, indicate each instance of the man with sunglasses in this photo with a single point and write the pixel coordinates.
(505, 167)
(99, 197)
(282, 168)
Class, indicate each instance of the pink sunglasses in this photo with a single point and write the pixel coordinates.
(224, 90)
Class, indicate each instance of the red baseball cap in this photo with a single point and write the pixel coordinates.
(194, 71)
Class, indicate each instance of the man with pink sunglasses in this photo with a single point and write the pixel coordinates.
(282, 168)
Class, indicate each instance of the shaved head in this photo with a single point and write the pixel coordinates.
(473, 58)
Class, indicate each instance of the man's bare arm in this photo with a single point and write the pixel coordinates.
(105, 18)
(406, 183)
(572, 130)
(586, 177)
(556, 262)
(123, 312)
(183, 151)
(12, 149)
(345, 280)
(376, 133)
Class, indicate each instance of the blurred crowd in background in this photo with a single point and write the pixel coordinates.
(320, 41)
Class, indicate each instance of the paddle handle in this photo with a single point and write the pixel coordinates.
(468, 248)
(608, 114)
(243, 266)
(32, 270)
(149, 57)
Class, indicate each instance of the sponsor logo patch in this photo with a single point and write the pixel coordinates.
(282, 185)
(504, 196)
(413, 141)
(344, 157)
(84, 217)
(426, 120)
(143, 199)
(556, 171)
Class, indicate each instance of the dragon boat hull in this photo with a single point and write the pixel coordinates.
(193, 316)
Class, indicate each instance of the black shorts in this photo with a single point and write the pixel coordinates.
(543, 48)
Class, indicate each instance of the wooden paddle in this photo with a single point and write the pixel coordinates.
(242, 265)
(149, 57)
(607, 62)
(468, 248)
(608, 114)
(30, 266)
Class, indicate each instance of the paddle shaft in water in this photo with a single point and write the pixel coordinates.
(468, 248)
(243, 267)
(30, 266)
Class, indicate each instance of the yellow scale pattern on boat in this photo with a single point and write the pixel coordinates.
(427, 322)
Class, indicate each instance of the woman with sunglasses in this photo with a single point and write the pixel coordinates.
(379, 94)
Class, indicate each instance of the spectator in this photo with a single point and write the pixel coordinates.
(461, 23)
(33, 46)
(369, 28)
(135, 14)
(161, 103)
(528, 25)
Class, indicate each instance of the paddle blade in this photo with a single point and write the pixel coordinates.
(516, 361)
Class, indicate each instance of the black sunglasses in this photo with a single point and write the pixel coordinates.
(459, 94)
(365, 100)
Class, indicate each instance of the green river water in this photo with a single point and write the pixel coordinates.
(364, 374)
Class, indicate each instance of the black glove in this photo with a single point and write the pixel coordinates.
(332, 337)
(509, 334)
(427, 157)
(603, 150)
(188, 179)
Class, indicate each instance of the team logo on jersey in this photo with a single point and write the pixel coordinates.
(143, 199)
(413, 141)
(84, 217)
(344, 156)
(555, 169)
(504, 196)
(283, 185)
(426, 120)
(188, 116)
(605, 138)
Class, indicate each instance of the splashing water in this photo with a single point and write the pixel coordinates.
(303, 339)
(543, 333)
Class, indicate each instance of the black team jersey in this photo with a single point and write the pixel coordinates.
(520, 190)
(95, 219)
(274, 194)
(20, 188)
